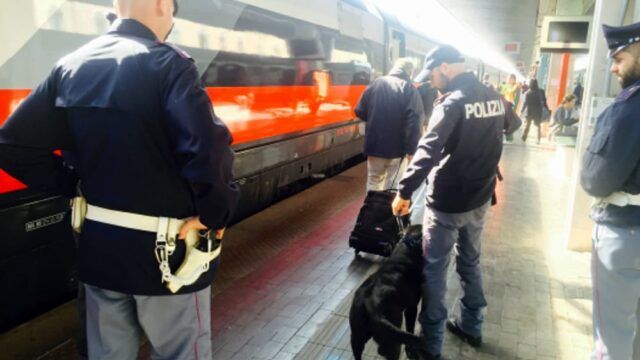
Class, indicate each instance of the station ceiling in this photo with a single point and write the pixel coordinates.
(500, 22)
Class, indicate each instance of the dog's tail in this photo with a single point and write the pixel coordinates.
(397, 334)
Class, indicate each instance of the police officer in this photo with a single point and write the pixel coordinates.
(463, 148)
(150, 154)
(611, 173)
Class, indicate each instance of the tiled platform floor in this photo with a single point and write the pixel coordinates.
(286, 289)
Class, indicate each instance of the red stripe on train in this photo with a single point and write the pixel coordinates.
(9, 101)
(251, 113)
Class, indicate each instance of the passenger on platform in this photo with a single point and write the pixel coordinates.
(486, 80)
(393, 112)
(463, 148)
(533, 107)
(565, 115)
(149, 152)
(511, 91)
(428, 95)
(611, 173)
(578, 90)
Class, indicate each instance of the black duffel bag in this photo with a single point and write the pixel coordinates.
(377, 230)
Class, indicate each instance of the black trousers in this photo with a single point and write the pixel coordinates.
(537, 123)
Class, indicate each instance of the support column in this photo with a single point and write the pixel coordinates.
(564, 70)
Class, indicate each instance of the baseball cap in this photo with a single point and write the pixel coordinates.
(436, 57)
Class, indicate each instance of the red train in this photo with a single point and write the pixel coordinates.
(283, 75)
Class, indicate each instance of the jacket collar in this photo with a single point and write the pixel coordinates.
(460, 80)
(133, 28)
(399, 74)
(627, 92)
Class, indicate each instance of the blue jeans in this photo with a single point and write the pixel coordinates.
(441, 232)
(615, 274)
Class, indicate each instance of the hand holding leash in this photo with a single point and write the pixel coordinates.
(191, 224)
(400, 206)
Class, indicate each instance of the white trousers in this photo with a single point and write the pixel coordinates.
(383, 174)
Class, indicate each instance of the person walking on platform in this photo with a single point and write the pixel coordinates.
(533, 108)
(462, 148)
(511, 91)
(393, 112)
(154, 165)
(611, 173)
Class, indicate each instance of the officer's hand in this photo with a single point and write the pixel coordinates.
(400, 206)
(191, 224)
(220, 233)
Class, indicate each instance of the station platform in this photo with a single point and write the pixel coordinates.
(287, 276)
(284, 290)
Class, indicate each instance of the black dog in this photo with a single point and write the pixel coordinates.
(378, 304)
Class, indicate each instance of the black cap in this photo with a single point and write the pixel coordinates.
(436, 57)
(619, 37)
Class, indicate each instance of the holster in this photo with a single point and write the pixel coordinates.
(195, 263)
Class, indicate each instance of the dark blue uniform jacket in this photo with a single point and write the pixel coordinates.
(145, 140)
(612, 160)
(393, 111)
(462, 147)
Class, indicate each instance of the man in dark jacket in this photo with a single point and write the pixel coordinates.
(154, 164)
(393, 112)
(463, 147)
(611, 173)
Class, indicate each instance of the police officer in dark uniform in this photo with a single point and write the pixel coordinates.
(611, 173)
(154, 165)
(463, 147)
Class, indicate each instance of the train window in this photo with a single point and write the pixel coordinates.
(267, 49)
(306, 49)
(397, 46)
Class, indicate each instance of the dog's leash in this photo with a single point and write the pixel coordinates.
(400, 223)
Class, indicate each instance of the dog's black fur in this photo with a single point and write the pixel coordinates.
(390, 292)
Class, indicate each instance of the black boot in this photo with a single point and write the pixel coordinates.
(474, 341)
(419, 354)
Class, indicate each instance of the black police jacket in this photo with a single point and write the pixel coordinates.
(393, 111)
(145, 140)
(612, 160)
(459, 154)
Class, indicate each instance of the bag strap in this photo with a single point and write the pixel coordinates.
(402, 159)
